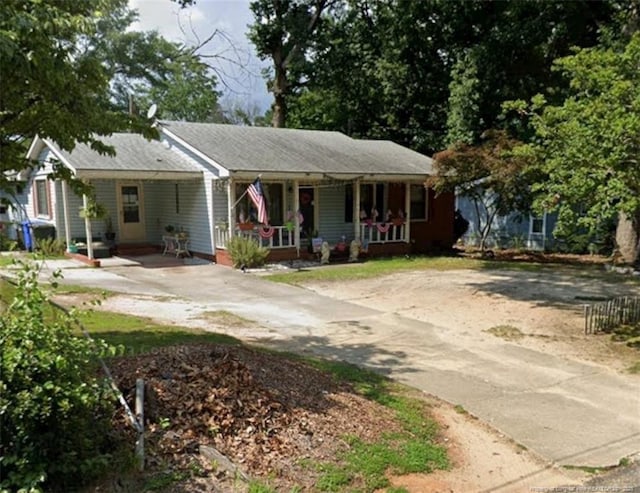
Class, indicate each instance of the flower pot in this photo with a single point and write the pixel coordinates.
(245, 226)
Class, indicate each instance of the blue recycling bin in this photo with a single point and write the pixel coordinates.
(26, 236)
(34, 230)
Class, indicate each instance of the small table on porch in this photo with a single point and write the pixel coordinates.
(176, 244)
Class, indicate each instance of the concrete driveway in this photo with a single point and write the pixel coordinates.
(569, 412)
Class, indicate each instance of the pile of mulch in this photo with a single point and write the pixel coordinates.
(269, 416)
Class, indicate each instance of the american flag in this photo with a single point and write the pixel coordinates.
(256, 194)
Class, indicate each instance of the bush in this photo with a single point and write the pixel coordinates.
(246, 252)
(51, 247)
(54, 412)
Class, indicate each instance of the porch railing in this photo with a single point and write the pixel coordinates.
(382, 232)
(272, 238)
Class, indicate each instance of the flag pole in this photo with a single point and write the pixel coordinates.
(243, 194)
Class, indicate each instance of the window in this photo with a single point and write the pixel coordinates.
(130, 204)
(42, 198)
(418, 202)
(372, 197)
(177, 199)
(273, 192)
(536, 224)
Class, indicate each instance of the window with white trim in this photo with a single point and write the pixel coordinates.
(536, 224)
(42, 197)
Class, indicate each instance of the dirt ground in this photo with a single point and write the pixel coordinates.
(539, 310)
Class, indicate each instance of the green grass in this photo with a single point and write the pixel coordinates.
(380, 267)
(364, 465)
(634, 368)
(507, 332)
(140, 334)
(77, 289)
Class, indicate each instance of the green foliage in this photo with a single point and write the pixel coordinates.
(246, 252)
(413, 449)
(587, 148)
(55, 79)
(139, 334)
(54, 411)
(427, 73)
(93, 209)
(51, 247)
(463, 120)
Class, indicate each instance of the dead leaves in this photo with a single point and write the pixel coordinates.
(261, 411)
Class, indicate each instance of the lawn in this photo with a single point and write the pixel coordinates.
(384, 266)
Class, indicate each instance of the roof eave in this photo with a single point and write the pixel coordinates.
(103, 174)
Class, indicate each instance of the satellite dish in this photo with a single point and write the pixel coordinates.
(151, 112)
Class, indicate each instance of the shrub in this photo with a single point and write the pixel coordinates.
(51, 247)
(246, 252)
(54, 411)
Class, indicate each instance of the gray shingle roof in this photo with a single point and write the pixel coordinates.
(134, 153)
(280, 150)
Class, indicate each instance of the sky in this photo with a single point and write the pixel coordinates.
(243, 87)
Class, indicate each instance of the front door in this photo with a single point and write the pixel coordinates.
(131, 212)
(306, 207)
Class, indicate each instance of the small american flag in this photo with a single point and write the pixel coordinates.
(256, 194)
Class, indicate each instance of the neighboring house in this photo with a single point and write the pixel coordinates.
(513, 230)
(317, 184)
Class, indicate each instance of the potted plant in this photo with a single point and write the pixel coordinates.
(169, 229)
(93, 210)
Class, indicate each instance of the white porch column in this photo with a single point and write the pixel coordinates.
(356, 209)
(65, 209)
(231, 199)
(407, 212)
(296, 208)
(87, 228)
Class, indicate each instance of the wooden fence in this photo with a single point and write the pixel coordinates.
(608, 315)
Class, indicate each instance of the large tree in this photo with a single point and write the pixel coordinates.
(588, 148)
(493, 177)
(55, 82)
(283, 32)
(426, 74)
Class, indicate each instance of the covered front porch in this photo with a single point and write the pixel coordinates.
(305, 213)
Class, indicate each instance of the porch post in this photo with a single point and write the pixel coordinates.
(356, 209)
(87, 228)
(231, 198)
(407, 212)
(65, 208)
(296, 208)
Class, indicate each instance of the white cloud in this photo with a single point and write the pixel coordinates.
(195, 23)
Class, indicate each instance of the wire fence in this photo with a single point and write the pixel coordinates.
(607, 315)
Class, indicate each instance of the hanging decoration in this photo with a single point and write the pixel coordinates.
(266, 231)
(383, 227)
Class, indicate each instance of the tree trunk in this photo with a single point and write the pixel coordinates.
(628, 237)
(279, 89)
